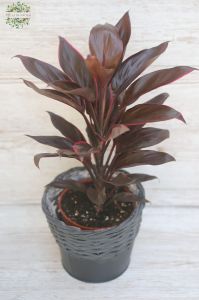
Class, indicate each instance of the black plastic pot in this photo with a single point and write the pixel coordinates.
(92, 255)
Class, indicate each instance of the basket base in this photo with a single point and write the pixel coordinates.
(96, 271)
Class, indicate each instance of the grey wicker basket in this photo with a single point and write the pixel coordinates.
(92, 255)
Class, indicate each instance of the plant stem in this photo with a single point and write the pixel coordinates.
(108, 159)
(103, 102)
(109, 109)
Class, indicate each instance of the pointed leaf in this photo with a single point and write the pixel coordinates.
(159, 99)
(92, 135)
(106, 45)
(134, 65)
(86, 93)
(124, 28)
(53, 141)
(73, 64)
(125, 179)
(42, 70)
(98, 71)
(126, 197)
(141, 157)
(139, 177)
(69, 184)
(82, 148)
(145, 113)
(97, 197)
(154, 80)
(54, 95)
(66, 128)
(142, 138)
(118, 130)
(120, 180)
(63, 86)
(37, 157)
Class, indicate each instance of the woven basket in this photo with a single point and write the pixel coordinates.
(92, 255)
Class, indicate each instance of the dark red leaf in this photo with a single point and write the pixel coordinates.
(37, 157)
(81, 148)
(142, 138)
(123, 179)
(68, 184)
(154, 80)
(126, 197)
(134, 65)
(55, 95)
(97, 197)
(54, 141)
(73, 64)
(117, 130)
(66, 128)
(138, 177)
(99, 72)
(124, 29)
(141, 157)
(86, 93)
(63, 86)
(147, 113)
(106, 45)
(92, 135)
(42, 70)
(159, 99)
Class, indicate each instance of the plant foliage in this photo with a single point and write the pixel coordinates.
(101, 87)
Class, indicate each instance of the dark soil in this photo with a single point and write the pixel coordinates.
(78, 207)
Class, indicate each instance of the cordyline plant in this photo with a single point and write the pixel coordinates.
(101, 87)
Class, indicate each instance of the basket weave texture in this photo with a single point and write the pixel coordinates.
(90, 244)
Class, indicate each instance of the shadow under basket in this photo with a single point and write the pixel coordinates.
(92, 255)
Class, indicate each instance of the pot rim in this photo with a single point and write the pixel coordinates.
(67, 219)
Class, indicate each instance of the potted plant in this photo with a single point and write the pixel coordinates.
(95, 211)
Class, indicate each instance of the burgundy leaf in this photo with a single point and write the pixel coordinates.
(147, 113)
(154, 80)
(125, 179)
(37, 157)
(92, 136)
(141, 157)
(138, 177)
(66, 128)
(97, 197)
(99, 72)
(106, 45)
(73, 64)
(63, 86)
(81, 148)
(68, 184)
(86, 93)
(159, 99)
(53, 141)
(118, 130)
(134, 65)
(126, 197)
(124, 29)
(142, 138)
(55, 95)
(42, 70)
